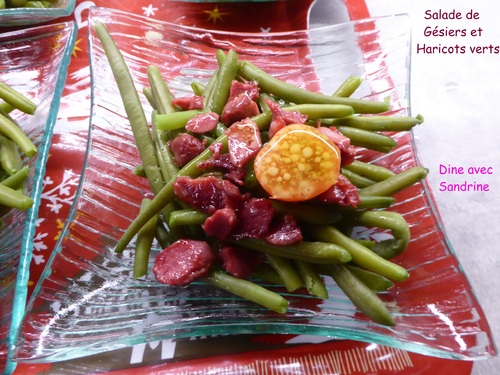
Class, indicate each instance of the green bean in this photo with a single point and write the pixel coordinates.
(356, 179)
(267, 274)
(148, 93)
(161, 93)
(206, 139)
(294, 94)
(286, 270)
(209, 88)
(361, 296)
(198, 88)
(368, 139)
(186, 216)
(310, 213)
(163, 236)
(13, 131)
(222, 85)
(143, 244)
(366, 243)
(361, 255)
(374, 172)
(394, 221)
(10, 159)
(311, 279)
(139, 171)
(220, 56)
(163, 154)
(174, 120)
(348, 87)
(313, 252)
(164, 197)
(14, 199)
(248, 290)
(262, 100)
(371, 201)
(16, 99)
(250, 181)
(220, 129)
(6, 107)
(380, 123)
(374, 147)
(396, 183)
(263, 120)
(37, 4)
(163, 98)
(317, 111)
(133, 108)
(372, 280)
(16, 180)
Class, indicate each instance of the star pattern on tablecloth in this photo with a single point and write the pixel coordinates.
(149, 11)
(57, 43)
(76, 48)
(60, 226)
(215, 15)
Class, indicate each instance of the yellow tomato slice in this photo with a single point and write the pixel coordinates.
(297, 164)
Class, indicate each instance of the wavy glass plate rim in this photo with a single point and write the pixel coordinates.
(341, 332)
(32, 16)
(21, 284)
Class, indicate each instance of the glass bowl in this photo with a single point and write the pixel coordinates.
(34, 62)
(87, 300)
(32, 16)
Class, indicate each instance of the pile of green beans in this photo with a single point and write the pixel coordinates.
(8, 4)
(361, 268)
(15, 145)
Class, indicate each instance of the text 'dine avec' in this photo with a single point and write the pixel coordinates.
(465, 185)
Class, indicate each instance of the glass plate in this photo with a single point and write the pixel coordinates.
(87, 301)
(32, 16)
(34, 61)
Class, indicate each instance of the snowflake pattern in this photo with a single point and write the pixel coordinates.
(60, 194)
(38, 259)
(57, 197)
(149, 10)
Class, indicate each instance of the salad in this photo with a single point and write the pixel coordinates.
(256, 179)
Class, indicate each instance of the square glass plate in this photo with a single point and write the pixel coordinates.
(87, 300)
(32, 16)
(34, 62)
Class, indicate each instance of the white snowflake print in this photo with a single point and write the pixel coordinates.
(38, 244)
(60, 194)
(38, 259)
(57, 197)
(149, 10)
